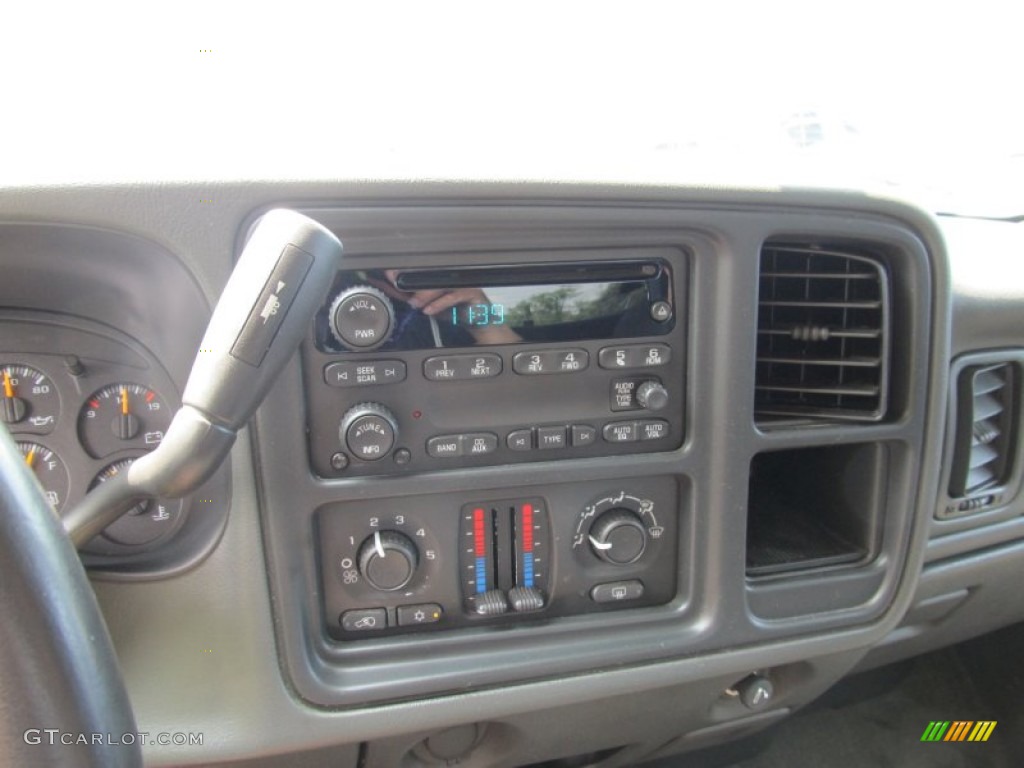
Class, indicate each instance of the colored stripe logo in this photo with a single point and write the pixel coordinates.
(959, 730)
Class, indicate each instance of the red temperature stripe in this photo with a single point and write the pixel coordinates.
(527, 528)
(478, 533)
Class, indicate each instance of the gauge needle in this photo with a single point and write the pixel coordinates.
(8, 387)
(30, 457)
(124, 400)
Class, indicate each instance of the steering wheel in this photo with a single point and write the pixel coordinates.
(62, 698)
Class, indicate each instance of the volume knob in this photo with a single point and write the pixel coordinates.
(369, 431)
(362, 318)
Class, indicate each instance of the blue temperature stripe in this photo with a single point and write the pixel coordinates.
(528, 569)
(481, 575)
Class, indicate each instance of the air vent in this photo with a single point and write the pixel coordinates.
(823, 335)
(985, 426)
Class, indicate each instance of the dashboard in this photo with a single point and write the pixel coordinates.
(546, 454)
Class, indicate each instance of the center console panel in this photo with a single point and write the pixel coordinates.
(533, 445)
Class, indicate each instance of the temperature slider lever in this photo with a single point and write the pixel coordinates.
(279, 281)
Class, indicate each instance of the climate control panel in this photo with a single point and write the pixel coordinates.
(457, 560)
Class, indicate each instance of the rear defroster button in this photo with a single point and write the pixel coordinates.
(617, 591)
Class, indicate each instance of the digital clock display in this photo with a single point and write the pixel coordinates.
(478, 315)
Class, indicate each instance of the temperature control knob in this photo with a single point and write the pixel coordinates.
(618, 537)
(369, 431)
(652, 395)
(388, 560)
(362, 318)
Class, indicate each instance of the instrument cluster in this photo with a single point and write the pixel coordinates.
(83, 405)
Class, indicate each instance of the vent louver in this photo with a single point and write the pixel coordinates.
(823, 340)
(984, 435)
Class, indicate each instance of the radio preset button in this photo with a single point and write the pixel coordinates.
(653, 429)
(583, 435)
(620, 432)
(441, 368)
(446, 446)
(482, 366)
(361, 374)
(520, 440)
(550, 437)
(550, 361)
(462, 367)
(634, 356)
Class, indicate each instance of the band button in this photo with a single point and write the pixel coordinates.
(445, 446)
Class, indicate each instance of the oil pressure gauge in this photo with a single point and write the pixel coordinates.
(30, 402)
(122, 416)
(49, 470)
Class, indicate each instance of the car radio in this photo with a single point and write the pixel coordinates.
(537, 356)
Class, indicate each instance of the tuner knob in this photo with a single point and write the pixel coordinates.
(388, 560)
(618, 537)
(369, 430)
(362, 318)
(652, 395)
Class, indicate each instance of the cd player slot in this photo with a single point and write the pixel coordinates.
(533, 274)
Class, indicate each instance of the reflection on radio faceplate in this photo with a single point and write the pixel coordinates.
(430, 309)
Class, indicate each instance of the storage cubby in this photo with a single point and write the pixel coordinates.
(814, 507)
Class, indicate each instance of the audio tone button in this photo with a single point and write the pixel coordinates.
(653, 429)
(620, 432)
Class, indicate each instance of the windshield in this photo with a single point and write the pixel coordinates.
(917, 99)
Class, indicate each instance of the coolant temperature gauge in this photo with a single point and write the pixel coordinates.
(49, 471)
(122, 416)
(144, 523)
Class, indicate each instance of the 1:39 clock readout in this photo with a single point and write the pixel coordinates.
(478, 315)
